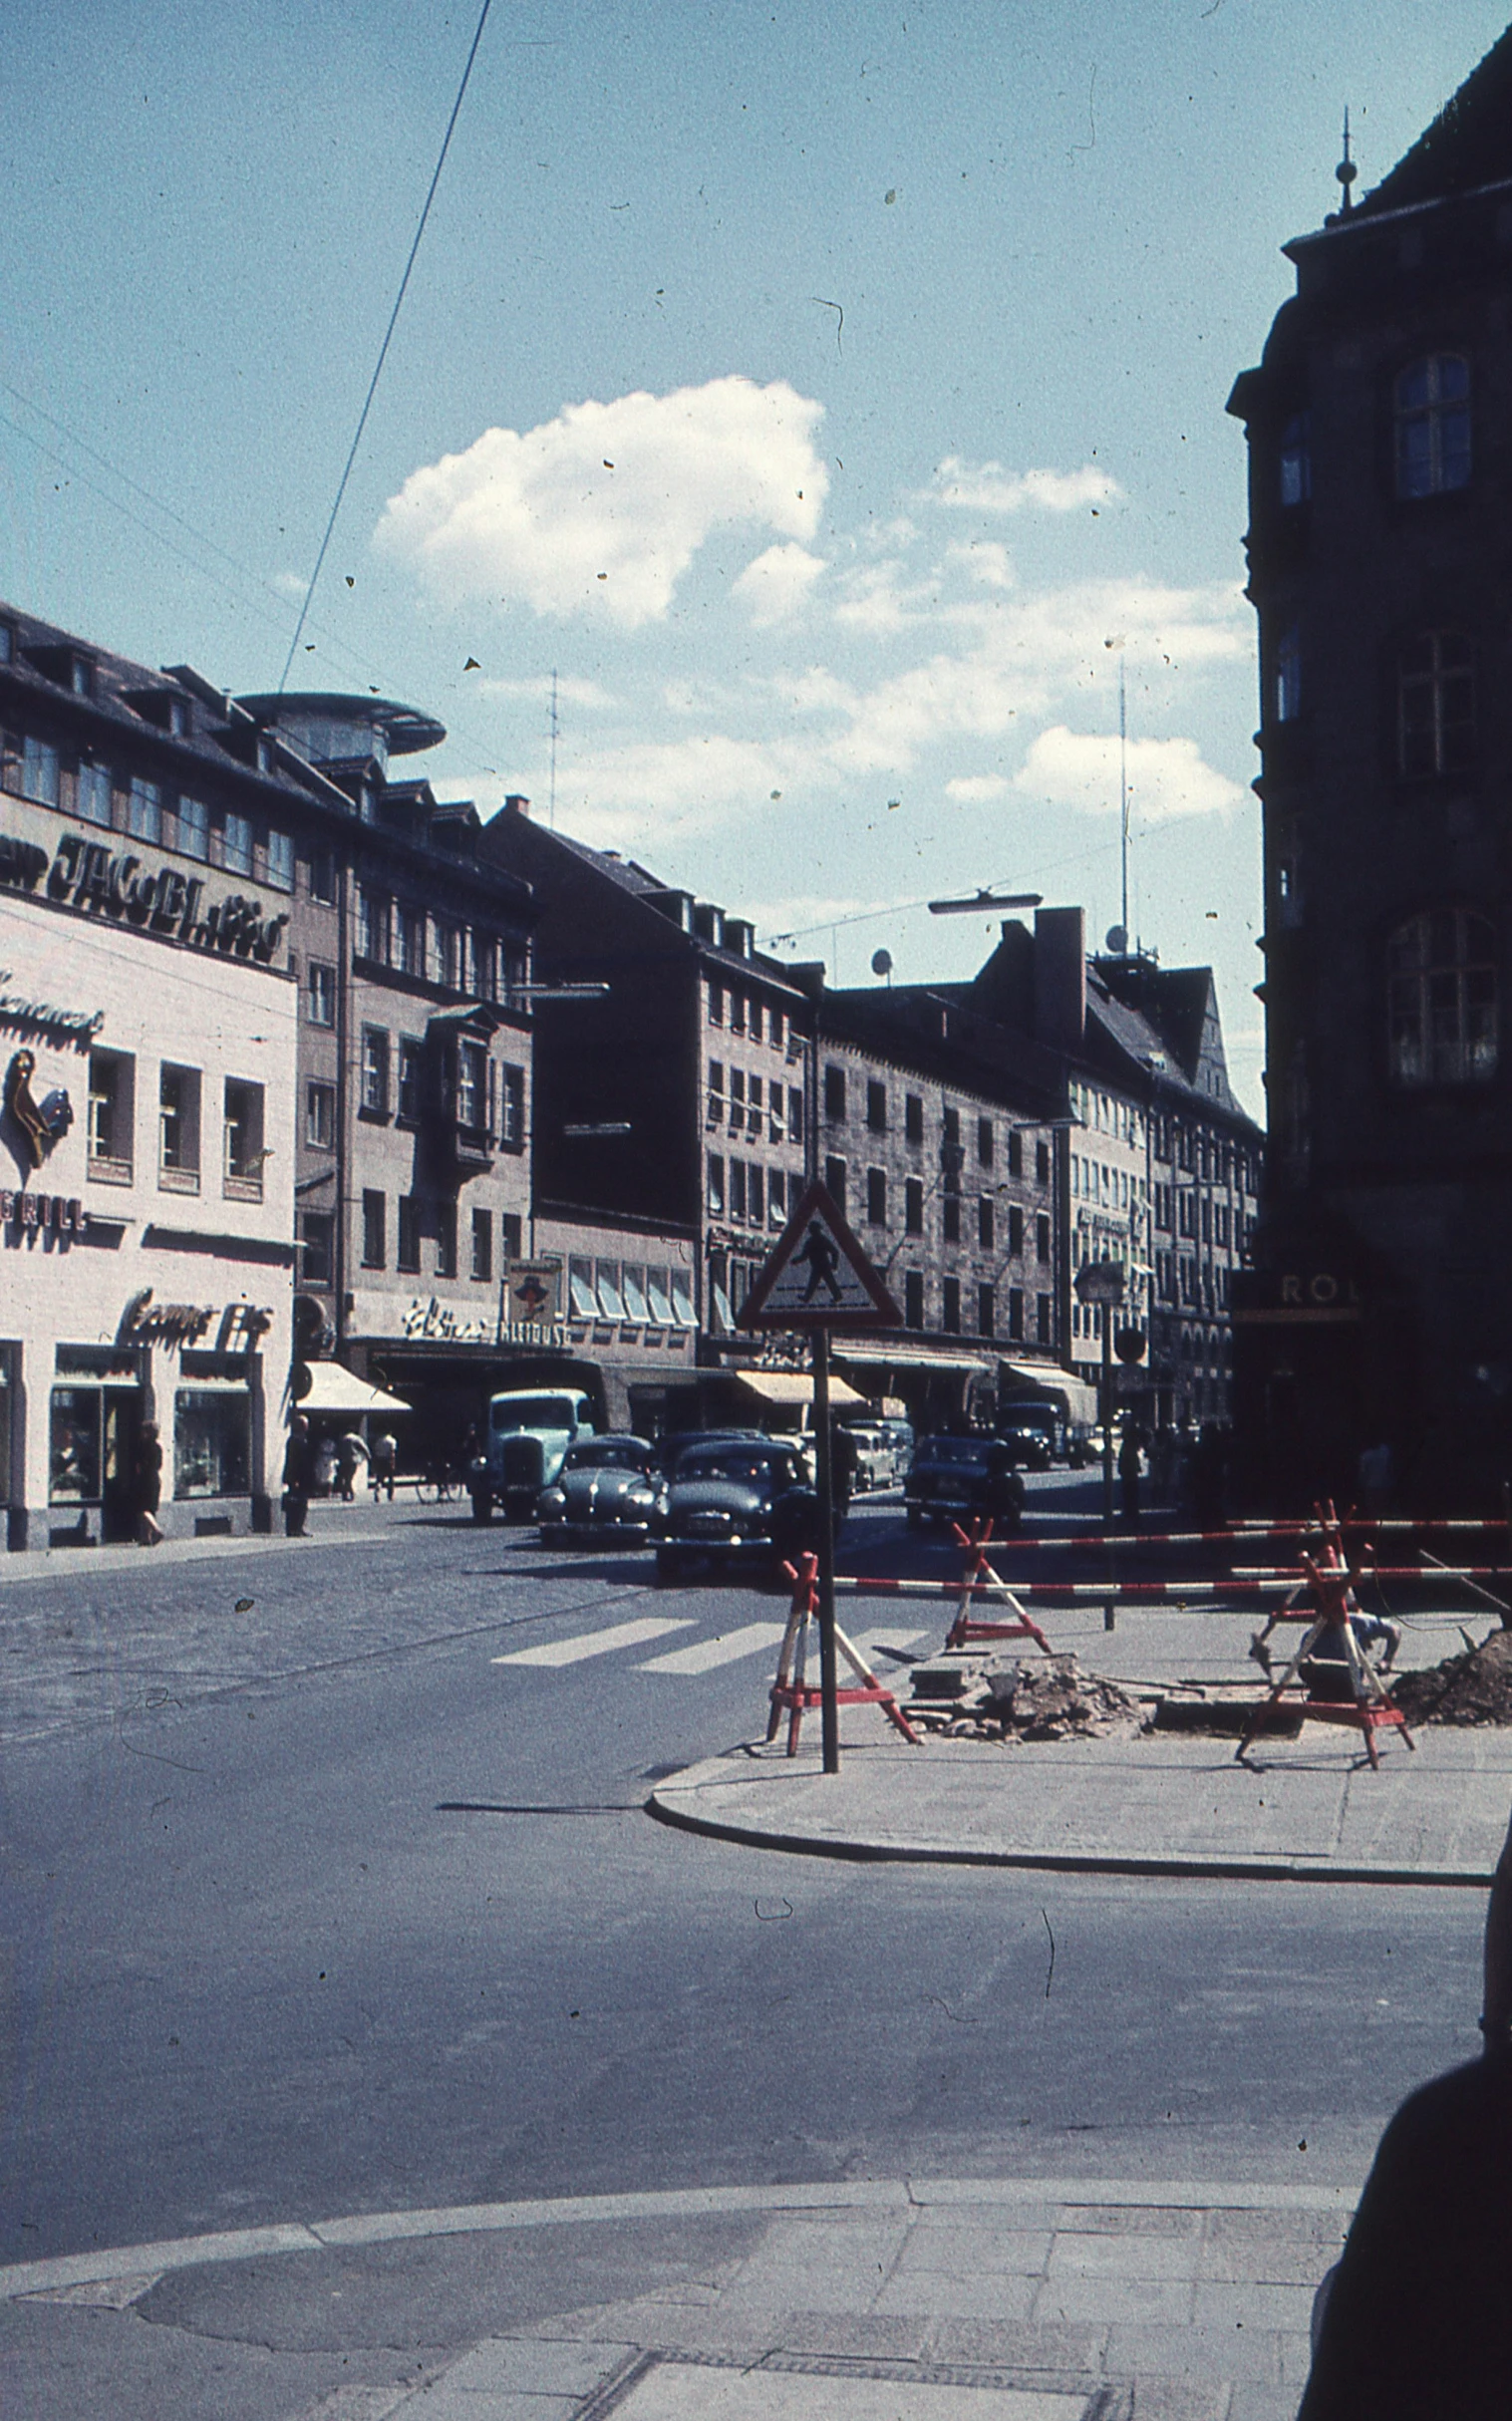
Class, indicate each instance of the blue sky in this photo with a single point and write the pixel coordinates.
(833, 406)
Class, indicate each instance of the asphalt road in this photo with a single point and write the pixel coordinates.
(311, 1906)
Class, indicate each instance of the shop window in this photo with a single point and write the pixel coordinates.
(1295, 463)
(445, 1240)
(374, 1072)
(113, 1085)
(511, 1107)
(835, 1181)
(1441, 999)
(913, 1117)
(913, 1299)
(876, 1196)
(279, 860)
(179, 1130)
(408, 1254)
(987, 1311)
(236, 843)
(412, 1066)
(244, 1154)
(320, 1117)
(1435, 705)
(212, 1442)
(375, 1243)
(1432, 410)
(510, 1228)
(913, 1206)
(73, 1446)
(320, 992)
(316, 1232)
(986, 1223)
(834, 1096)
(91, 795)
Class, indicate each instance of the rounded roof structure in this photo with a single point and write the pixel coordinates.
(404, 728)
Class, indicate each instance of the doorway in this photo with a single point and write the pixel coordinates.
(117, 1494)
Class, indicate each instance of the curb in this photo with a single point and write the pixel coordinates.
(1061, 1862)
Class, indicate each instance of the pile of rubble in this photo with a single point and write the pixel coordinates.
(971, 1697)
(1475, 1687)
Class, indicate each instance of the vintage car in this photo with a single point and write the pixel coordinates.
(735, 1502)
(608, 1493)
(958, 1478)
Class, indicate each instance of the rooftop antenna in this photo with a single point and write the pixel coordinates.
(551, 803)
(1346, 171)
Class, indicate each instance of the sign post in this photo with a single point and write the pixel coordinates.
(1102, 1282)
(818, 1278)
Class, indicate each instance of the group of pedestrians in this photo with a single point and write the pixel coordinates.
(334, 1467)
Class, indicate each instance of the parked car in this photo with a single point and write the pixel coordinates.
(529, 1434)
(609, 1492)
(1027, 1442)
(735, 1502)
(956, 1478)
(874, 1464)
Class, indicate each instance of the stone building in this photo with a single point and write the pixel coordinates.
(1380, 1309)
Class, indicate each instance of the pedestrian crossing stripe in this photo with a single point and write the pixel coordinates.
(596, 1642)
(726, 1647)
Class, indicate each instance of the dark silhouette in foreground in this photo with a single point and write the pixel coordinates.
(1418, 2322)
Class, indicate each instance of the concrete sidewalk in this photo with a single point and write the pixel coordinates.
(906, 2300)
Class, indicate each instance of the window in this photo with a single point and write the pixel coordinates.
(834, 1096)
(1432, 401)
(950, 1305)
(1041, 1237)
(1041, 1163)
(279, 859)
(913, 1117)
(1015, 1231)
(736, 1012)
(1442, 1000)
(1295, 466)
(1044, 1320)
(986, 1223)
(835, 1181)
(1015, 1152)
(316, 1231)
(754, 1103)
(112, 1077)
(511, 1107)
(776, 1198)
(774, 1126)
(409, 941)
(445, 1240)
(951, 1218)
(985, 1142)
(737, 1189)
(794, 1113)
(716, 1185)
(320, 998)
(374, 1072)
(1287, 691)
(876, 1106)
(775, 1035)
(448, 956)
(179, 1130)
(211, 1441)
(320, 1115)
(39, 773)
(236, 843)
(757, 1016)
(511, 1234)
(756, 1208)
(375, 1242)
(91, 798)
(715, 1113)
(1435, 704)
(1015, 1313)
(659, 1296)
(737, 1100)
(913, 1206)
(913, 1299)
(950, 1128)
(471, 1086)
(323, 876)
(144, 810)
(987, 1311)
(876, 1196)
(412, 1070)
(372, 926)
(244, 1155)
(611, 1302)
(407, 1254)
(716, 1004)
(192, 826)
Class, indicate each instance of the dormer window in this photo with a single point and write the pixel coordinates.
(82, 677)
(179, 717)
(1432, 404)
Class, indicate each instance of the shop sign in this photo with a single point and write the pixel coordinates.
(424, 1320)
(65, 1214)
(15, 1010)
(1297, 1297)
(144, 1322)
(529, 1303)
(89, 874)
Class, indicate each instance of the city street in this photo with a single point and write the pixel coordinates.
(314, 1904)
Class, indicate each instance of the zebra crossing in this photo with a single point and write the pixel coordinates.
(689, 1659)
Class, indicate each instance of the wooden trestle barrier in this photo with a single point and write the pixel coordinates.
(792, 1689)
(1327, 1602)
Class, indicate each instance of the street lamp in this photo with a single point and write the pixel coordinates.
(982, 901)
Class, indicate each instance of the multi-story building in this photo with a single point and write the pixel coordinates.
(149, 1041)
(1380, 1309)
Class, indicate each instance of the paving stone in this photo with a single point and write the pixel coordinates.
(1254, 2402)
(885, 2335)
(1123, 2257)
(1278, 2226)
(964, 2251)
(1021, 2345)
(1256, 2305)
(935, 2295)
(1125, 2219)
(1270, 2264)
(1113, 2300)
(1193, 2352)
(1149, 2397)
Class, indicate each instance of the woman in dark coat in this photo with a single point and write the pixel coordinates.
(147, 1484)
(298, 1473)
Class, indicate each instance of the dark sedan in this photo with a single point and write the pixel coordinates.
(735, 1502)
(608, 1493)
(957, 1478)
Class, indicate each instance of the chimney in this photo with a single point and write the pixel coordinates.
(514, 804)
(1060, 978)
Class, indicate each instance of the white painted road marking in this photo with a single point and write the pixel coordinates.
(596, 1642)
(726, 1647)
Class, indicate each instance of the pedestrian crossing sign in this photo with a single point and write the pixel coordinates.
(818, 1277)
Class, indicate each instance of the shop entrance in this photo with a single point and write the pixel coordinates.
(122, 1429)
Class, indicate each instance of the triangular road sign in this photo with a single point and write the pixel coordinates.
(817, 1277)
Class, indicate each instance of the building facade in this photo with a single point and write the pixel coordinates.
(1379, 1308)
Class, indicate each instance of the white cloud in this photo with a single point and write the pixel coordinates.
(1166, 777)
(604, 508)
(986, 561)
(775, 587)
(988, 487)
(570, 691)
(972, 788)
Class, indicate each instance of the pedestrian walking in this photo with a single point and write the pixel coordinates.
(147, 1484)
(1128, 1475)
(298, 1475)
(381, 1463)
(350, 1454)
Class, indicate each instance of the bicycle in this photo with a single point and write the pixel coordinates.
(438, 1484)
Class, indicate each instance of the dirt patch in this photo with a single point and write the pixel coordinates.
(1475, 1687)
(1030, 1700)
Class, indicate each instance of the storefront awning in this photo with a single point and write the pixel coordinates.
(909, 1358)
(1041, 1378)
(793, 1386)
(334, 1389)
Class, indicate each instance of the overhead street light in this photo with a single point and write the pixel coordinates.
(600, 1126)
(984, 900)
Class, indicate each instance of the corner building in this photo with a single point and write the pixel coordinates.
(1379, 1310)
